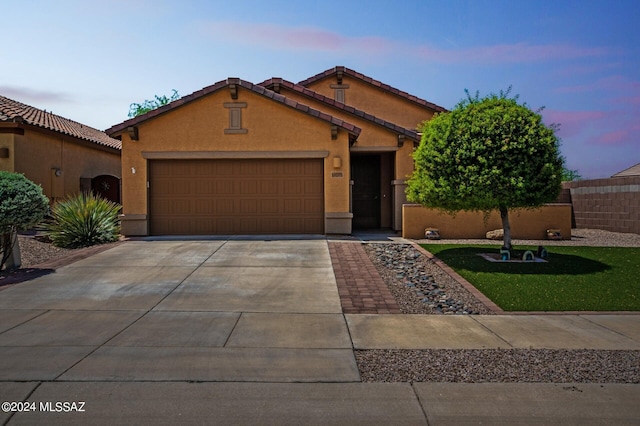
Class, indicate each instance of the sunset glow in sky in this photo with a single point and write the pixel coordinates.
(88, 60)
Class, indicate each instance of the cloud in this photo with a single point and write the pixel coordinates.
(27, 96)
(613, 138)
(613, 83)
(601, 128)
(292, 38)
(574, 70)
(311, 39)
(572, 123)
(511, 53)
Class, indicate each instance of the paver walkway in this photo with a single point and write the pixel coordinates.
(361, 289)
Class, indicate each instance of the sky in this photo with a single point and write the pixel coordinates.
(580, 60)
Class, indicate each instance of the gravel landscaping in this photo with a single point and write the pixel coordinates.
(34, 251)
(421, 287)
(499, 365)
(418, 284)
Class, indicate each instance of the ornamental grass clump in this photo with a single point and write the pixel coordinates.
(84, 220)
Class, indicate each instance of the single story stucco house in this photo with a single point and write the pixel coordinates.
(327, 155)
(61, 155)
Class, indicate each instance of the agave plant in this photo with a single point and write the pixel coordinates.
(84, 220)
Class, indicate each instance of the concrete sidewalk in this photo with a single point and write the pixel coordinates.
(252, 332)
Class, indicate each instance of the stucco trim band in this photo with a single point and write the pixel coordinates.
(188, 155)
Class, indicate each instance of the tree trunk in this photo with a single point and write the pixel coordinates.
(504, 215)
(9, 251)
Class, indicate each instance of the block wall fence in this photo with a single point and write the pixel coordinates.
(611, 204)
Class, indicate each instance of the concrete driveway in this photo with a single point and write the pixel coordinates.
(246, 332)
(205, 310)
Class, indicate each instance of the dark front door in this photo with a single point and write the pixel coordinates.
(365, 196)
(106, 187)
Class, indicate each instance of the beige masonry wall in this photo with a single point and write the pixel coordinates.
(611, 204)
(525, 224)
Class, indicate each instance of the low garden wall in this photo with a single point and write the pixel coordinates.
(529, 224)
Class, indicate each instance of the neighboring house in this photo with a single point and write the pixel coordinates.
(631, 171)
(325, 156)
(61, 155)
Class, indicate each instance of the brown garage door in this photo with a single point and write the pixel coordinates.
(265, 196)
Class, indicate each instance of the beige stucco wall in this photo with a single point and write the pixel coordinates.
(197, 130)
(525, 224)
(374, 138)
(7, 141)
(38, 154)
(376, 101)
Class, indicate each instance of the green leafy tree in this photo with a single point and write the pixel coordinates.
(570, 175)
(487, 154)
(136, 109)
(22, 205)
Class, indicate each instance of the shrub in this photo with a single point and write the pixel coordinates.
(22, 205)
(84, 220)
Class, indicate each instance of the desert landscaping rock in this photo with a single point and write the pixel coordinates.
(419, 285)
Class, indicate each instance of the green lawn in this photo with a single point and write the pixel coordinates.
(574, 279)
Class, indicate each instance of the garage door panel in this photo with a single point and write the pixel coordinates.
(204, 207)
(269, 206)
(249, 187)
(311, 206)
(248, 207)
(203, 187)
(223, 206)
(311, 224)
(293, 206)
(222, 168)
(236, 196)
(224, 186)
(293, 187)
(269, 186)
(312, 187)
(178, 169)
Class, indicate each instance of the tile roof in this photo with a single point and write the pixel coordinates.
(631, 171)
(261, 90)
(17, 112)
(272, 82)
(373, 82)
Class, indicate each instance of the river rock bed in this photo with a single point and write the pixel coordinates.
(418, 284)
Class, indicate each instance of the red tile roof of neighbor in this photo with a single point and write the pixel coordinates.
(350, 128)
(373, 82)
(272, 82)
(17, 112)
